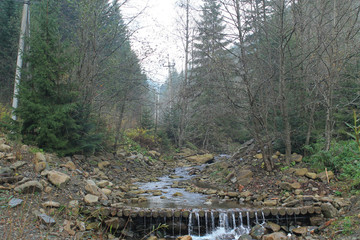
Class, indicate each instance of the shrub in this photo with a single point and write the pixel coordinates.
(142, 137)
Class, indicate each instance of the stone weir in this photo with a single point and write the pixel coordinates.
(139, 221)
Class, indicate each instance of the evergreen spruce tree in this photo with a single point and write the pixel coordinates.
(47, 101)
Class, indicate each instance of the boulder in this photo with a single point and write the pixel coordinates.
(91, 199)
(29, 187)
(289, 186)
(296, 158)
(17, 165)
(40, 166)
(4, 148)
(311, 175)
(273, 226)
(201, 159)
(103, 165)
(257, 232)
(39, 157)
(70, 165)
(300, 230)
(275, 236)
(177, 194)
(322, 176)
(94, 190)
(270, 203)
(244, 177)
(328, 210)
(301, 172)
(59, 179)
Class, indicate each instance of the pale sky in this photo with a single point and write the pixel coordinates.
(156, 35)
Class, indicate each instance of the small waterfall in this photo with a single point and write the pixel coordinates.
(198, 221)
(206, 223)
(241, 220)
(256, 218)
(190, 224)
(212, 221)
(248, 219)
(233, 219)
(263, 215)
(173, 223)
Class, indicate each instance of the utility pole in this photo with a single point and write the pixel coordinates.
(24, 28)
(170, 66)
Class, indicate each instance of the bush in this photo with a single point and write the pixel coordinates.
(143, 137)
(343, 158)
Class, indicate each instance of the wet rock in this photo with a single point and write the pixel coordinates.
(322, 176)
(51, 204)
(29, 187)
(273, 226)
(45, 219)
(257, 232)
(187, 237)
(328, 210)
(157, 193)
(15, 202)
(59, 179)
(300, 230)
(4, 148)
(91, 199)
(301, 172)
(17, 165)
(201, 159)
(177, 194)
(275, 236)
(245, 237)
(40, 166)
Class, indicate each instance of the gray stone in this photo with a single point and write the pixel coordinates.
(45, 219)
(257, 232)
(300, 230)
(29, 187)
(17, 165)
(275, 236)
(51, 204)
(329, 210)
(91, 199)
(245, 237)
(15, 202)
(272, 226)
(57, 178)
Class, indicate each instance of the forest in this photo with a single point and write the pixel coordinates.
(282, 72)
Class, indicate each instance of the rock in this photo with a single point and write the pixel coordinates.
(244, 177)
(258, 156)
(103, 183)
(58, 179)
(273, 226)
(270, 203)
(177, 194)
(39, 157)
(301, 172)
(152, 238)
(48, 189)
(289, 186)
(291, 203)
(91, 199)
(92, 226)
(328, 210)
(6, 171)
(154, 153)
(296, 158)
(51, 204)
(29, 187)
(275, 236)
(40, 166)
(245, 194)
(115, 223)
(73, 204)
(70, 165)
(17, 165)
(187, 237)
(186, 152)
(45, 219)
(4, 148)
(316, 221)
(245, 237)
(157, 193)
(322, 176)
(103, 165)
(94, 190)
(15, 202)
(201, 159)
(67, 228)
(257, 232)
(311, 175)
(341, 202)
(300, 230)
(233, 194)
(106, 191)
